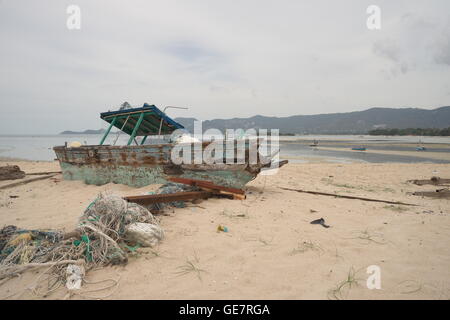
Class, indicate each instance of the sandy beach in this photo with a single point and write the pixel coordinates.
(271, 250)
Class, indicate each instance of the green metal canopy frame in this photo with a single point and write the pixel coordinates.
(144, 121)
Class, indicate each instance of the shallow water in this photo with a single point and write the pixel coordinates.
(292, 150)
(296, 149)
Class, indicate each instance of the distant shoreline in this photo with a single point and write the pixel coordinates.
(88, 131)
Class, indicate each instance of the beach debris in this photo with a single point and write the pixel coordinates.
(19, 246)
(438, 193)
(169, 195)
(221, 228)
(15, 184)
(144, 234)
(432, 181)
(20, 238)
(347, 197)
(11, 173)
(211, 187)
(177, 197)
(172, 188)
(41, 173)
(320, 221)
(175, 194)
(75, 275)
(101, 238)
(113, 216)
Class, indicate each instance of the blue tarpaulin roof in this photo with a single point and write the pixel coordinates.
(127, 119)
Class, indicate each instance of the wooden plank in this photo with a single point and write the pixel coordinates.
(441, 193)
(348, 197)
(42, 173)
(433, 181)
(11, 185)
(170, 197)
(206, 184)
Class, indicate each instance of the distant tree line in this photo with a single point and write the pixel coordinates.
(411, 132)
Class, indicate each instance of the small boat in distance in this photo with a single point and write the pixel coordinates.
(314, 144)
(421, 148)
(359, 148)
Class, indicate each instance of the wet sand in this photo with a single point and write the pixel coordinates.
(419, 154)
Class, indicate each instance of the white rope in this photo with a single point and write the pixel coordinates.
(120, 131)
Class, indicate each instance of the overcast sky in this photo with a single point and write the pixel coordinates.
(222, 59)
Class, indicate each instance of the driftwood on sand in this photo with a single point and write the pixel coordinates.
(11, 173)
(439, 193)
(15, 184)
(436, 181)
(41, 173)
(348, 197)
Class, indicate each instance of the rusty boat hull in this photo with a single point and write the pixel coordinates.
(142, 165)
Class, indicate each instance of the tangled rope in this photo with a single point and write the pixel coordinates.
(100, 239)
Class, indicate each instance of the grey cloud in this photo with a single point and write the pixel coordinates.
(416, 43)
(221, 59)
(190, 51)
(442, 55)
(387, 48)
(390, 50)
(200, 59)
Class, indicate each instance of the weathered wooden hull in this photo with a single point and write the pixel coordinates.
(139, 166)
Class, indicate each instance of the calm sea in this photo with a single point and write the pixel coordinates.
(295, 148)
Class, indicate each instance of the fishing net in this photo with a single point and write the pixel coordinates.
(101, 238)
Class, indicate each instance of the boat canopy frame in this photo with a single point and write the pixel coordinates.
(144, 121)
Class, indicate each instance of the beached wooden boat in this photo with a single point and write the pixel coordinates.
(143, 164)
